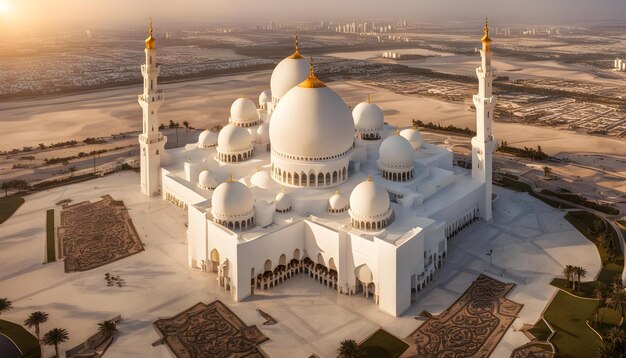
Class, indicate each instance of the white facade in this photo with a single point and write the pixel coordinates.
(151, 141)
(364, 215)
(620, 65)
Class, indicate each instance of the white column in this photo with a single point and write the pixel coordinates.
(483, 144)
(151, 141)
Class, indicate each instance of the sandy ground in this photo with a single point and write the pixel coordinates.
(204, 103)
(512, 67)
(531, 243)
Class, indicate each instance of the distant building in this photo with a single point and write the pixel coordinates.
(620, 65)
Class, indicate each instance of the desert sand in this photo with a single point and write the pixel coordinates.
(204, 103)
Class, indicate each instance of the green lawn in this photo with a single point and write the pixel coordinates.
(8, 206)
(583, 222)
(50, 236)
(567, 315)
(383, 344)
(541, 331)
(607, 319)
(26, 342)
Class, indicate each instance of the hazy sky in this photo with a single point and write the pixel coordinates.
(28, 14)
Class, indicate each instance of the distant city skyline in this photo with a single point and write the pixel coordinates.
(35, 15)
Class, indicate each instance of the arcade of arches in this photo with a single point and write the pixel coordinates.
(311, 179)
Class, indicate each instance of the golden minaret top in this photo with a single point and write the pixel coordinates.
(486, 40)
(150, 41)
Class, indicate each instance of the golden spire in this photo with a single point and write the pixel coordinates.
(230, 176)
(296, 55)
(397, 130)
(283, 189)
(369, 177)
(369, 98)
(150, 41)
(486, 40)
(312, 81)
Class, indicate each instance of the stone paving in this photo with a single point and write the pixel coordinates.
(472, 326)
(93, 234)
(211, 330)
(312, 318)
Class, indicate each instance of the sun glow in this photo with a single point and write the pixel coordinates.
(5, 7)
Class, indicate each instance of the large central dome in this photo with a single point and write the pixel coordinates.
(312, 124)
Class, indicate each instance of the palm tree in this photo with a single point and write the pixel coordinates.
(109, 328)
(605, 351)
(349, 349)
(54, 337)
(35, 319)
(547, 171)
(617, 301)
(615, 335)
(568, 272)
(5, 305)
(580, 272)
(598, 292)
(6, 186)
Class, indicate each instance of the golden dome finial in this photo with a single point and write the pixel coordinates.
(369, 98)
(283, 189)
(369, 177)
(336, 191)
(312, 81)
(397, 130)
(297, 49)
(296, 55)
(150, 41)
(414, 126)
(486, 40)
(230, 176)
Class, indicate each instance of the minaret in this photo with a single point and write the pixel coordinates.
(483, 145)
(151, 141)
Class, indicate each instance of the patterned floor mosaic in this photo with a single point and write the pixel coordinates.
(471, 327)
(95, 234)
(211, 330)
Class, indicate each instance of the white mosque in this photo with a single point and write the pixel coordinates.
(302, 185)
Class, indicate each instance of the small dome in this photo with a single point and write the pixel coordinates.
(234, 139)
(264, 97)
(263, 133)
(368, 116)
(232, 199)
(396, 152)
(369, 200)
(263, 180)
(283, 202)
(414, 137)
(289, 73)
(243, 110)
(207, 180)
(338, 202)
(207, 139)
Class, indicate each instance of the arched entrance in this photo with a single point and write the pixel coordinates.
(215, 260)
